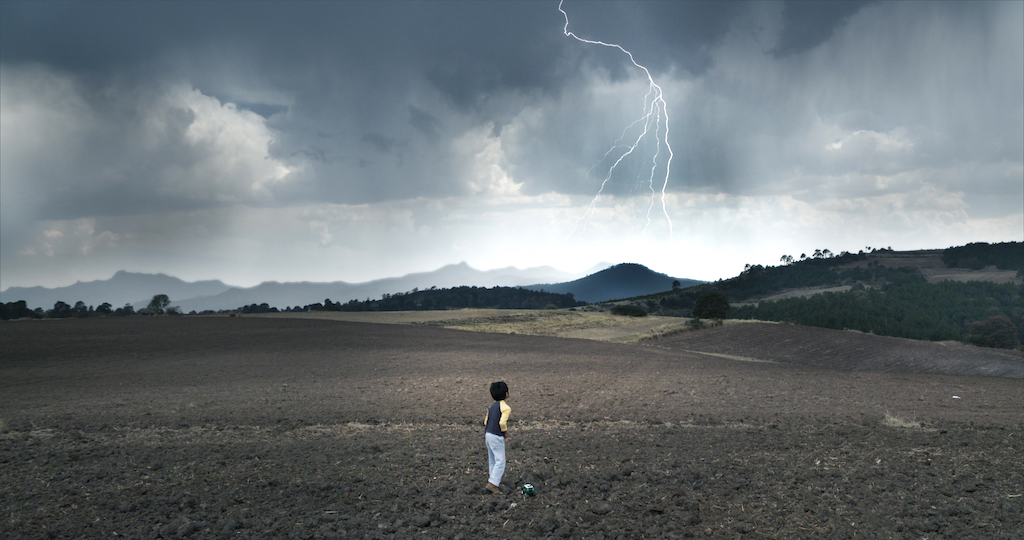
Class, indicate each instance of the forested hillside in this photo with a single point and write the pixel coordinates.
(886, 300)
(759, 281)
(910, 308)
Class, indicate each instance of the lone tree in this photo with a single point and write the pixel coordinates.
(158, 304)
(711, 305)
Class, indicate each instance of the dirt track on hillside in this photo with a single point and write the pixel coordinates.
(846, 350)
(196, 427)
(737, 339)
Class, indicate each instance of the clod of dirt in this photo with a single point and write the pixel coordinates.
(601, 508)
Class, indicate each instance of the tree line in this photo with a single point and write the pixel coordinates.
(464, 297)
(61, 310)
(977, 256)
(428, 299)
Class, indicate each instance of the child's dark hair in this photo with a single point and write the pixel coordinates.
(498, 390)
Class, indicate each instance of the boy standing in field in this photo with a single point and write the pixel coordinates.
(496, 422)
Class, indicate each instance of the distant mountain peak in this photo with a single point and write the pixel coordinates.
(625, 280)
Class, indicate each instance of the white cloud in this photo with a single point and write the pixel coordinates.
(485, 163)
(232, 160)
(62, 138)
(72, 238)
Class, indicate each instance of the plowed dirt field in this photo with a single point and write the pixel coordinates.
(208, 428)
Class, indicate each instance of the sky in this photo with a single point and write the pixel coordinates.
(351, 141)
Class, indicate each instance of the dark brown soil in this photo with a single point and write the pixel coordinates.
(847, 350)
(194, 427)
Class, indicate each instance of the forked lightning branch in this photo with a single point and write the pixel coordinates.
(653, 129)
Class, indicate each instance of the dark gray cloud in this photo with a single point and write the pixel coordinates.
(355, 68)
(424, 122)
(433, 116)
(808, 23)
(662, 35)
(492, 43)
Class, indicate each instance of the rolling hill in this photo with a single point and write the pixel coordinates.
(625, 280)
(971, 293)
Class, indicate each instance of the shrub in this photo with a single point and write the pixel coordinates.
(996, 331)
(629, 311)
(700, 324)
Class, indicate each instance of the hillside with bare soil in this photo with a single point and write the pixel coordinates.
(846, 350)
(929, 263)
(583, 324)
(753, 340)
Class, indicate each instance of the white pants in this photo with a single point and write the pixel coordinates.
(495, 457)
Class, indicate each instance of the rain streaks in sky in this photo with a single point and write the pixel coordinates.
(651, 127)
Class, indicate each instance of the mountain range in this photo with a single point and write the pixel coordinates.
(603, 282)
(123, 288)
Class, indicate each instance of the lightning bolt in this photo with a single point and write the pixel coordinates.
(655, 124)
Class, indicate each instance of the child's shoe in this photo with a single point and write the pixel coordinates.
(493, 488)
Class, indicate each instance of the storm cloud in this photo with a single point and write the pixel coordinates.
(356, 140)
